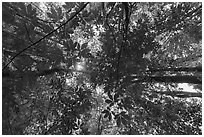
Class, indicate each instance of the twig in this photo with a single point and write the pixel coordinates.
(28, 33)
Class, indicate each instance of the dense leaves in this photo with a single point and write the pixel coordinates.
(101, 68)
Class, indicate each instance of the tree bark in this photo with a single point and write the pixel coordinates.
(168, 79)
(176, 79)
(181, 94)
(187, 69)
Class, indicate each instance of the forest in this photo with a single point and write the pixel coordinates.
(101, 68)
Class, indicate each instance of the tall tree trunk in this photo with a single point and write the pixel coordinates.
(176, 79)
(168, 79)
(187, 69)
(181, 94)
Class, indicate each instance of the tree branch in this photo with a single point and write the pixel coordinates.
(28, 34)
(44, 72)
(106, 21)
(46, 35)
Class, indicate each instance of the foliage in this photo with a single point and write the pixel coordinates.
(134, 57)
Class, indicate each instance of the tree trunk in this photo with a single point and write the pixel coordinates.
(168, 79)
(181, 94)
(176, 79)
(187, 69)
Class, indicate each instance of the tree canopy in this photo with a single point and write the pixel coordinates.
(101, 68)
